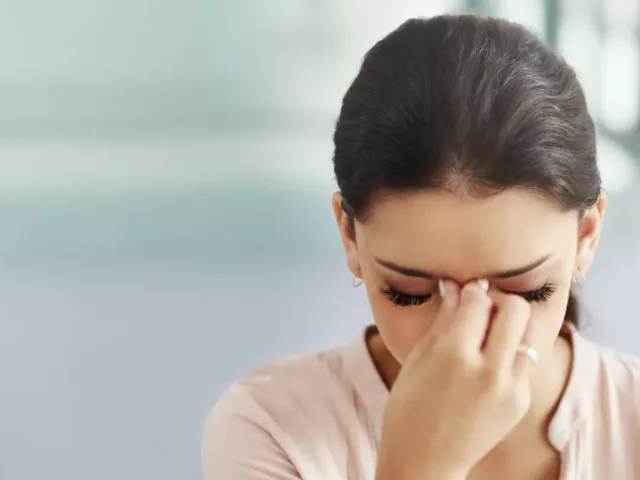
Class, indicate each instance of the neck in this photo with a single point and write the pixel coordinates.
(548, 382)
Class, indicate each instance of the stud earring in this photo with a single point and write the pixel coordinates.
(579, 280)
(356, 281)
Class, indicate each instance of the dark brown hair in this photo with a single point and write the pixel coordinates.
(465, 100)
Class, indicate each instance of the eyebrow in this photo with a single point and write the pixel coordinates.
(414, 272)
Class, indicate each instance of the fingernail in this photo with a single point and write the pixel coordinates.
(441, 287)
(483, 283)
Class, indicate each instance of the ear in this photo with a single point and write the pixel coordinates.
(347, 235)
(589, 237)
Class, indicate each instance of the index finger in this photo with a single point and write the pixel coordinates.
(472, 316)
(507, 330)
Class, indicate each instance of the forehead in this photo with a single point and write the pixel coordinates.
(448, 232)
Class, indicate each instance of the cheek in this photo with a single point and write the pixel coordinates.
(547, 317)
(401, 327)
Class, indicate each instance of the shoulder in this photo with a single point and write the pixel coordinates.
(295, 387)
(616, 392)
(597, 424)
(302, 412)
(619, 375)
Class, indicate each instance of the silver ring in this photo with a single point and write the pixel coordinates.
(530, 352)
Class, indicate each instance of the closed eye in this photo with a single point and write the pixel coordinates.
(539, 295)
(405, 299)
(401, 299)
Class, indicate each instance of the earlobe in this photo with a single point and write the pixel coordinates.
(579, 280)
(584, 259)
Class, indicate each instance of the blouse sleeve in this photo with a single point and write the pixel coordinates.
(237, 445)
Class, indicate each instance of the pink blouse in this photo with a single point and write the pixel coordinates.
(319, 417)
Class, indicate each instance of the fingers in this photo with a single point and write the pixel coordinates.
(492, 322)
(522, 363)
(450, 297)
(473, 315)
(508, 328)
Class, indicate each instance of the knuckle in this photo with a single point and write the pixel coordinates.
(492, 381)
(505, 390)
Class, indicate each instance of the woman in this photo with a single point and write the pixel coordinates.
(469, 202)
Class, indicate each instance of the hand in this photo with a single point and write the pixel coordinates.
(462, 388)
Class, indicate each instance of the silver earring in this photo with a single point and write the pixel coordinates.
(356, 281)
(579, 280)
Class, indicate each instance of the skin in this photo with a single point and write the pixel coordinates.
(462, 239)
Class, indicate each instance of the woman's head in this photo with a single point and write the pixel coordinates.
(464, 150)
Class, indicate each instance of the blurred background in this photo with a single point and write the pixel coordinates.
(165, 220)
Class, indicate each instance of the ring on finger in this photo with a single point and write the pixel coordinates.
(530, 352)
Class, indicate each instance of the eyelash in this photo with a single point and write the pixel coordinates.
(406, 300)
(400, 299)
